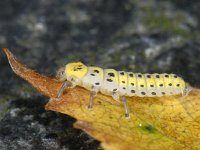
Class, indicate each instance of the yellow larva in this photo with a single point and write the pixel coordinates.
(119, 84)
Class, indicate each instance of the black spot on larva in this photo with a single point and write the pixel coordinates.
(123, 81)
(111, 74)
(97, 83)
(148, 76)
(170, 84)
(122, 73)
(96, 71)
(141, 85)
(131, 75)
(114, 90)
(79, 68)
(163, 93)
(124, 88)
(139, 75)
(143, 93)
(132, 84)
(175, 76)
(151, 85)
(132, 91)
(157, 76)
(161, 85)
(167, 76)
(109, 80)
(153, 93)
(92, 74)
(178, 85)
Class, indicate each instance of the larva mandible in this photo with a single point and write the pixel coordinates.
(120, 84)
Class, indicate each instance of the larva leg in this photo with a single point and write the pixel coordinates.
(64, 85)
(115, 96)
(123, 99)
(92, 95)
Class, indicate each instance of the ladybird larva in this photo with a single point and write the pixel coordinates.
(120, 84)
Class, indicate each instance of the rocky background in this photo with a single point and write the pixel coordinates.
(138, 35)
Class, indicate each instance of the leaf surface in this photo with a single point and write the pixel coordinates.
(167, 123)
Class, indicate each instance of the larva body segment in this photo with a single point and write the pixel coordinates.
(110, 82)
(141, 90)
(120, 84)
(132, 86)
(150, 84)
(160, 88)
(93, 79)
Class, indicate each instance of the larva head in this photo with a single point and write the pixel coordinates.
(75, 69)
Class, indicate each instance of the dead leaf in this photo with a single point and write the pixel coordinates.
(171, 123)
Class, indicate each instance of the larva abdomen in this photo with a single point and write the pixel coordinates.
(154, 84)
(132, 84)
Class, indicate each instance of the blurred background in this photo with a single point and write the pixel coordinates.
(131, 35)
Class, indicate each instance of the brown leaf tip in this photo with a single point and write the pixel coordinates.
(7, 52)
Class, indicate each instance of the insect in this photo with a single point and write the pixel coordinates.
(120, 84)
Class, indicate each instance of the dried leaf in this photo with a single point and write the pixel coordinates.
(171, 122)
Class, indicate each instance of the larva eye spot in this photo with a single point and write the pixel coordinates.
(78, 67)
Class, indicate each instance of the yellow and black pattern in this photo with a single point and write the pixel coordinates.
(121, 83)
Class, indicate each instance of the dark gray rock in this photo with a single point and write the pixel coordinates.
(28, 126)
